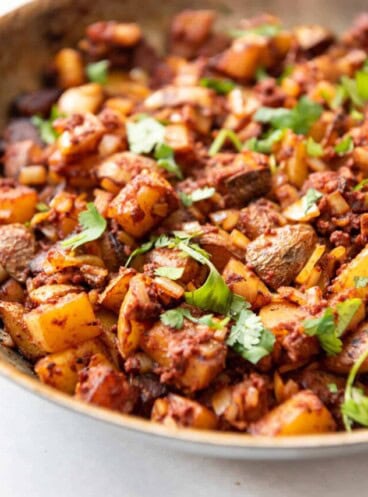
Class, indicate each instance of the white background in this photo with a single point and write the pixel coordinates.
(48, 452)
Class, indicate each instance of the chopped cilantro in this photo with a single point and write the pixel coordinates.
(173, 273)
(93, 225)
(310, 199)
(45, 126)
(345, 312)
(145, 247)
(249, 338)
(144, 135)
(42, 207)
(97, 71)
(164, 155)
(261, 74)
(219, 141)
(175, 319)
(332, 387)
(361, 185)
(265, 145)
(188, 199)
(355, 405)
(220, 86)
(345, 146)
(299, 119)
(265, 30)
(314, 149)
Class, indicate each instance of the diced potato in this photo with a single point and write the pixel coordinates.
(297, 212)
(302, 414)
(178, 137)
(337, 204)
(274, 315)
(130, 327)
(66, 323)
(172, 96)
(305, 273)
(60, 370)
(81, 99)
(191, 358)
(69, 67)
(143, 204)
(244, 282)
(17, 205)
(296, 166)
(114, 293)
(50, 293)
(174, 410)
(346, 279)
(12, 314)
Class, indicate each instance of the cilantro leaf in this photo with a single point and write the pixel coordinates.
(196, 196)
(332, 387)
(265, 145)
(173, 273)
(314, 149)
(45, 126)
(351, 90)
(220, 86)
(360, 281)
(355, 405)
(145, 247)
(345, 146)
(97, 71)
(265, 30)
(310, 198)
(175, 319)
(345, 312)
(361, 185)
(144, 135)
(219, 141)
(361, 78)
(93, 225)
(299, 119)
(325, 330)
(42, 207)
(250, 338)
(164, 155)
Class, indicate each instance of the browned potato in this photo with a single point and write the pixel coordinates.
(60, 370)
(12, 314)
(246, 283)
(220, 247)
(302, 414)
(174, 410)
(103, 386)
(143, 204)
(279, 257)
(114, 293)
(122, 167)
(358, 267)
(17, 205)
(190, 358)
(63, 324)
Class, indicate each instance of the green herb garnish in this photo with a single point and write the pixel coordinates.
(360, 281)
(189, 199)
(314, 149)
(45, 126)
(299, 119)
(220, 86)
(219, 141)
(164, 155)
(345, 146)
(355, 405)
(175, 319)
(173, 273)
(361, 185)
(265, 145)
(97, 71)
(265, 30)
(145, 247)
(144, 135)
(93, 225)
(332, 387)
(42, 207)
(310, 199)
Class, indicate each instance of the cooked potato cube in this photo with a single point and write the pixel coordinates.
(114, 293)
(174, 410)
(358, 267)
(66, 323)
(190, 357)
(103, 386)
(69, 67)
(17, 205)
(143, 204)
(302, 414)
(244, 282)
(12, 315)
(60, 370)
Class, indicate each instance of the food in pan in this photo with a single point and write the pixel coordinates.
(183, 237)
